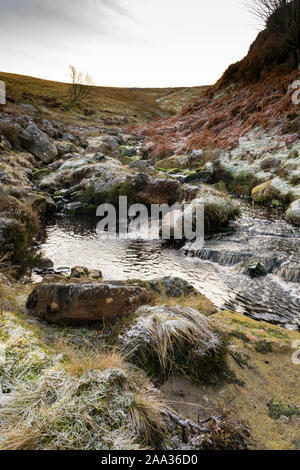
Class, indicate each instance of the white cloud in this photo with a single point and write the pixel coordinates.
(125, 42)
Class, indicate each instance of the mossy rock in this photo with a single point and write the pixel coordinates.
(127, 160)
(176, 161)
(264, 192)
(128, 151)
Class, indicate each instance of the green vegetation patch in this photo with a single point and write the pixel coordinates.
(263, 347)
(278, 409)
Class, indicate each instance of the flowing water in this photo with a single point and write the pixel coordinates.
(218, 270)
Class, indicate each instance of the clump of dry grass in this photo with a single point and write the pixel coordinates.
(19, 226)
(165, 340)
(78, 361)
(72, 398)
(145, 415)
(269, 163)
(196, 301)
(22, 439)
(61, 411)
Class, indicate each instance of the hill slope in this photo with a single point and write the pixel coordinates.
(105, 105)
(253, 92)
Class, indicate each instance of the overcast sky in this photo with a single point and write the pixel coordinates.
(139, 43)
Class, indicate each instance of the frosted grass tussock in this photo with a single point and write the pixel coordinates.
(173, 339)
(61, 411)
(88, 399)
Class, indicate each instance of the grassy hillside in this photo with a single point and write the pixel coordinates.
(105, 105)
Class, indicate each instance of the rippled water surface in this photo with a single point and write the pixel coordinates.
(216, 270)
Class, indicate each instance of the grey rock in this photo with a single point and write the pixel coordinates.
(140, 165)
(29, 108)
(172, 286)
(38, 143)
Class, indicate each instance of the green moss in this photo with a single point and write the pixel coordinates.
(278, 409)
(127, 190)
(230, 377)
(128, 151)
(39, 173)
(88, 209)
(261, 326)
(89, 194)
(276, 333)
(263, 347)
(295, 180)
(113, 194)
(173, 171)
(127, 160)
(240, 335)
(163, 170)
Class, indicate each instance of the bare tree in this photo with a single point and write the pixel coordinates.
(281, 18)
(80, 87)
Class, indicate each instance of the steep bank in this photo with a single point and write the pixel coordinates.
(245, 129)
(251, 93)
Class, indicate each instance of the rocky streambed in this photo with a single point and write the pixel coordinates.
(128, 291)
(250, 260)
(253, 268)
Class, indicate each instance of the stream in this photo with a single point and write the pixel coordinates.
(217, 270)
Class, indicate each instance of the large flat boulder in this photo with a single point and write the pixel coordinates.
(84, 302)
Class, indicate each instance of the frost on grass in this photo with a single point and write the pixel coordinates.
(165, 340)
(48, 402)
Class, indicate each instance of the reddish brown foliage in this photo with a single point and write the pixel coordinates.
(252, 92)
(220, 122)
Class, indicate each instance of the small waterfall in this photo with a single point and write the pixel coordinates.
(270, 242)
(232, 259)
(289, 274)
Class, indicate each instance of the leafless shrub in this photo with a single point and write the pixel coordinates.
(281, 18)
(269, 163)
(80, 87)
